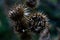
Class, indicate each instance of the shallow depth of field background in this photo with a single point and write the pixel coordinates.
(50, 7)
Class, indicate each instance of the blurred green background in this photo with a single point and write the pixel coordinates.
(50, 7)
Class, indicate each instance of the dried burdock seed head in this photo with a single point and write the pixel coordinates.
(31, 3)
(38, 22)
(16, 13)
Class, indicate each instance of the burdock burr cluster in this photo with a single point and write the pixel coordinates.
(27, 23)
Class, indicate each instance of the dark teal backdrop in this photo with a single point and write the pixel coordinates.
(50, 7)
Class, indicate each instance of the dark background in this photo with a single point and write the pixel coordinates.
(50, 7)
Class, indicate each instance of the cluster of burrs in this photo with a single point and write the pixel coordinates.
(34, 22)
(38, 22)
